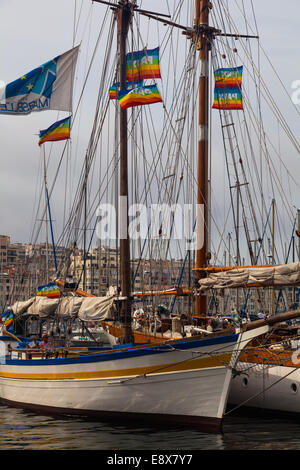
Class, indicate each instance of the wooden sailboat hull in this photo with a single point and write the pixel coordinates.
(114, 332)
(184, 382)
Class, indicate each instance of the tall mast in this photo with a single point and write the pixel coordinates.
(202, 20)
(273, 253)
(123, 20)
(85, 227)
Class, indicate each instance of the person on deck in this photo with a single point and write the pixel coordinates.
(33, 343)
(44, 344)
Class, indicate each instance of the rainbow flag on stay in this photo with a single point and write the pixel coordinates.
(228, 98)
(139, 96)
(229, 78)
(228, 88)
(50, 290)
(141, 65)
(115, 88)
(7, 318)
(113, 91)
(60, 130)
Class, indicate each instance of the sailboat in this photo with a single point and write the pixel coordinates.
(261, 383)
(184, 381)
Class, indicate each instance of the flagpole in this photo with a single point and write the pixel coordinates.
(47, 206)
(46, 214)
(60, 130)
(51, 229)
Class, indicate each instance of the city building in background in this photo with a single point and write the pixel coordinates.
(24, 267)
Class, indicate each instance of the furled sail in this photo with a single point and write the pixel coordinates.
(43, 306)
(97, 308)
(20, 307)
(85, 308)
(283, 275)
(69, 306)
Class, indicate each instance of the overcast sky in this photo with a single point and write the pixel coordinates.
(36, 31)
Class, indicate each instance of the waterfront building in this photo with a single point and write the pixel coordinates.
(23, 267)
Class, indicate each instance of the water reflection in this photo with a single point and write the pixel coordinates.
(20, 430)
(251, 430)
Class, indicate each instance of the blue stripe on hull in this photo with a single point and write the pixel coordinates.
(119, 354)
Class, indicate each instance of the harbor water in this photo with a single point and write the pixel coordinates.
(246, 430)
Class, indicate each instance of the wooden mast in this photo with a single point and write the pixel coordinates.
(202, 21)
(273, 254)
(123, 20)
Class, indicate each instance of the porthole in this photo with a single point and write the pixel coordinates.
(245, 381)
(294, 387)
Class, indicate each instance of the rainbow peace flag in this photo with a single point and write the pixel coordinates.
(229, 77)
(228, 85)
(50, 290)
(228, 98)
(115, 88)
(113, 91)
(7, 319)
(60, 130)
(142, 65)
(139, 96)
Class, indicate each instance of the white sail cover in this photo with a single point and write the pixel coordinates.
(85, 308)
(20, 307)
(286, 275)
(43, 307)
(97, 308)
(69, 306)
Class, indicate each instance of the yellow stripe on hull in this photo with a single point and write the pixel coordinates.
(191, 364)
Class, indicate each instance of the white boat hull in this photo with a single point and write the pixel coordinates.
(153, 397)
(186, 382)
(268, 388)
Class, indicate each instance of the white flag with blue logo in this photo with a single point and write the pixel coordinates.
(49, 86)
